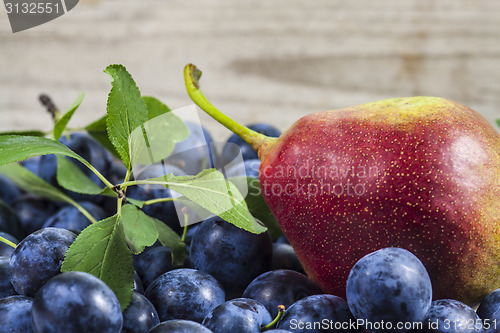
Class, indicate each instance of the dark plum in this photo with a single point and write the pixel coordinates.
(180, 326)
(196, 152)
(70, 218)
(185, 294)
(451, 316)
(9, 221)
(235, 144)
(138, 286)
(85, 146)
(284, 257)
(243, 315)
(92, 151)
(6, 288)
(489, 311)
(31, 163)
(280, 287)
(164, 211)
(37, 258)
(33, 212)
(153, 262)
(232, 255)
(76, 302)
(318, 313)
(5, 249)
(390, 285)
(15, 314)
(9, 192)
(140, 316)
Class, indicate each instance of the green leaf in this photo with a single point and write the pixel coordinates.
(140, 229)
(61, 124)
(213, 192)
(155, 107)
(98, 131)
(155, 139)
(259, 209)
(101, 250)
(498, 122)
(29, 182)
(72, 178)
(169, 238)
(27, 133)
(126, 110)
(15, 148)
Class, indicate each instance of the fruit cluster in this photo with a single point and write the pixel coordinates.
(127, 256)
(231, 280)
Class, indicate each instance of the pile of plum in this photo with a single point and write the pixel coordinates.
(231, 281)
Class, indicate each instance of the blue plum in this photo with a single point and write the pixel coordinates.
(180, 326)
(390, 285)
(489, 311)
(196, 152)
(451, 316)
(70, 218)
(232, 255)
(153, 262)
(33, 212)
(185, 294)
(164, 211)
(140, 316)
(9, 221)
(9, 192)
(37, 258)
(243, 315)
(138, 286)
(318, 313)
(284, 257)
(15, 314)
(280, 287)
(6, 288)
(76, 302)
(85, 146)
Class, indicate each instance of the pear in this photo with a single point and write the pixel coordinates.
(420, 173)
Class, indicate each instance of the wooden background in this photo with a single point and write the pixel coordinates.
(268, 61)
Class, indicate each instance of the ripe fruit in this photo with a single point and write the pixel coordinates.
(318, 313)
(179, 326)
(280, 287)
(140, 315)
(37, 258)
(421, 173)
(451, 316)
(230, 254)
(15, 314)
(389, 285)
(76, 302)
(237, 315)
(185, 294)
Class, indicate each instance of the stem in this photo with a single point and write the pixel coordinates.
(281, 311)
(98, 174)
(184, 233)
(153, 201)
(83, 211)
(8, 242)
(141, 182)
(191, 78)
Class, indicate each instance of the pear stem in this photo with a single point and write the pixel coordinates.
(192, 76)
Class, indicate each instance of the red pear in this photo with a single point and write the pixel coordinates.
(420, 173)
